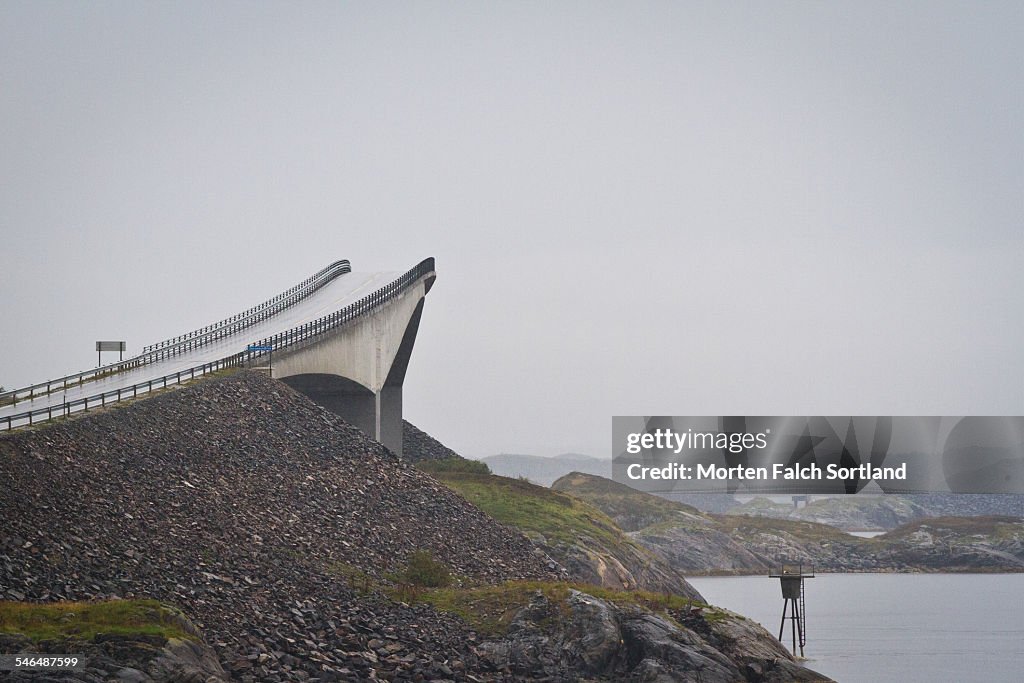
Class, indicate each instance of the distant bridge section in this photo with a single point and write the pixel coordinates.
(343, 338)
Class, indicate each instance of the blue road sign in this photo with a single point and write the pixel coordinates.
(254, 347)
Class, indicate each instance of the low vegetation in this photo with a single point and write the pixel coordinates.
(424, 571)
(632, 509)
(86, 620)
(490, 609)
(519, 503)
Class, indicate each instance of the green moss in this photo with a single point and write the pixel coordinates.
(85, 620)
(531, 508)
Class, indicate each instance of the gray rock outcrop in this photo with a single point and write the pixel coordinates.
(588, 638)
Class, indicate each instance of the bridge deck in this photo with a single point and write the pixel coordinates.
(335, 295)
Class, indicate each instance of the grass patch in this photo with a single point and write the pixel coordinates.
(632, 508)
(490, 609)
(85, 620)
(531, 508)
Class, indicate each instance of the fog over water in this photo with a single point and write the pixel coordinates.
(636, 208)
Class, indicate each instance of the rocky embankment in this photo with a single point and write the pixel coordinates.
(418, 446)
(277, 529)
(247, 506)
(697, 542)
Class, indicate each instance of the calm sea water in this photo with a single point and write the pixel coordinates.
(896, 627)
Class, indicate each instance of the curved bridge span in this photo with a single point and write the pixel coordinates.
(342, 337)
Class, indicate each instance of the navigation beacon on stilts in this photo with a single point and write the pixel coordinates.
(791, 577)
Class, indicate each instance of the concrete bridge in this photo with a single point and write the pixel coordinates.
(343, 338)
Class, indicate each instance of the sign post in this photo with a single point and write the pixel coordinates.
(102, 346)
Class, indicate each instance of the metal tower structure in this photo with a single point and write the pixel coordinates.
(791, 578)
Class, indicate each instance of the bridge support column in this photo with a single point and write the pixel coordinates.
(389, 417)
(357, 371)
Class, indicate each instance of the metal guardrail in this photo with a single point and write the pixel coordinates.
(287, 298)
(283, 340)
(187, 342)
(31, 417)
(371, 301)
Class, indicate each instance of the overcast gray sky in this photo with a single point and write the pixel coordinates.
(636, 208)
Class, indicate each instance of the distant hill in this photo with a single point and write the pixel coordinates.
(888, 511)
(545, 471)
(698, 542)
